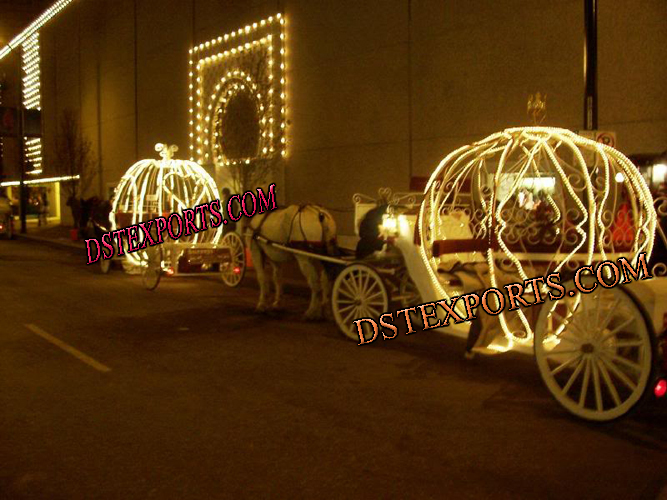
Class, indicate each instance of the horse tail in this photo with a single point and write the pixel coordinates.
(328, 234)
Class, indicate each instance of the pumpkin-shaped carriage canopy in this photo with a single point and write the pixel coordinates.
(152, 188)
(532, 201)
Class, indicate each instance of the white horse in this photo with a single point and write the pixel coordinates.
(306, 227)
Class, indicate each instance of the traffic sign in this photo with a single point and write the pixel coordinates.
(606, 137)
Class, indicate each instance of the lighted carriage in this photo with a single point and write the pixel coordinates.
(153, 188)
(521, 204)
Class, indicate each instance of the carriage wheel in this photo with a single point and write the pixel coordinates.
(233, 272)
(151, 267)
(358, 292)
(595, 353)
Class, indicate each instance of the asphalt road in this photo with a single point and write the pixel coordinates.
(194, 396)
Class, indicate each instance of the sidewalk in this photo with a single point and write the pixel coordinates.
(59, 236)
(54, 235)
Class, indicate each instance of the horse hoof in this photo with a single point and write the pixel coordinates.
(260, 310)
(312, 317)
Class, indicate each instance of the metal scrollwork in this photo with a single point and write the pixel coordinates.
(659, 269)
(550, 198)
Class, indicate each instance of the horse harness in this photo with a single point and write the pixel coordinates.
(311, 246)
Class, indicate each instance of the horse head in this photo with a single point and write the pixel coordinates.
(369, 232)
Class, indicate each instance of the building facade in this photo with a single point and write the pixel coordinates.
(365, 94)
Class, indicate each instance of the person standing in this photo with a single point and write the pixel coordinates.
(44, 209)
(36, 201)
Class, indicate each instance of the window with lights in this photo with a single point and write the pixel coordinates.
(238, 96)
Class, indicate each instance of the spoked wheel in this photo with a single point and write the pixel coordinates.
(595, 352)
(232, 273)
(358, 292)
(151, 267)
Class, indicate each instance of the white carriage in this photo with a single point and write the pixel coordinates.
(153, 188)
(521, 204)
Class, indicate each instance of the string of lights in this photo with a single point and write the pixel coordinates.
(46, 180)
(28, 41)
(44, 18)
(216, 76)
(32, 98)
(157, 187)
(574, 226)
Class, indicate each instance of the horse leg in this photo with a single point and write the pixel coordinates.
(310, 271)
(278, 284)
(258, 259)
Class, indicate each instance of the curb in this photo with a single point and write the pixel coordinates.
(291, 287)
(50, 241)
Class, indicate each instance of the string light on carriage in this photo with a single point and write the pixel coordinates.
(207, 57)
(579, 210)
(153, 188)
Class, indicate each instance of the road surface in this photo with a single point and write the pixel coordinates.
(109, 391)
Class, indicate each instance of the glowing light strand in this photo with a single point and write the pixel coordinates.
(44, 18)
(46, 180)
(227, 52)
(32, 98)
(152, 188)
(582, 206)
